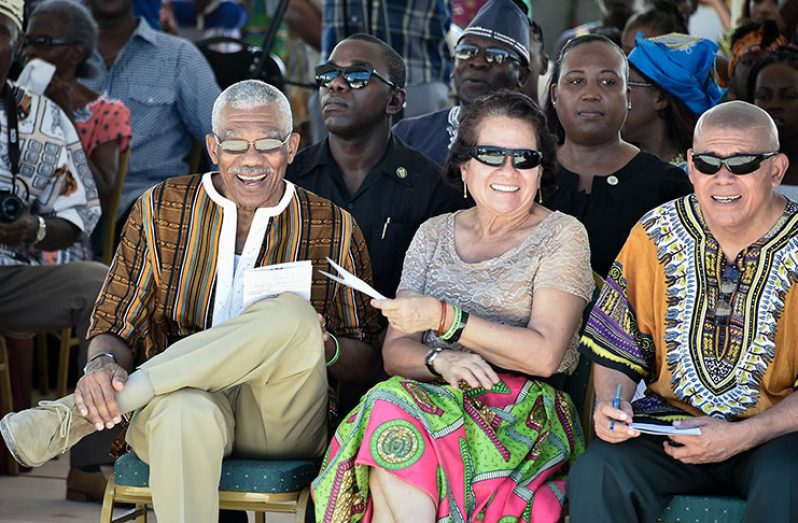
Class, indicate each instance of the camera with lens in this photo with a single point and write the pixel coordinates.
(11, 206)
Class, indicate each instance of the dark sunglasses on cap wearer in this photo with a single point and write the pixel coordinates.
(493, 55)
(262, 145)
(495, 156)
(741, 163)
(357, 76)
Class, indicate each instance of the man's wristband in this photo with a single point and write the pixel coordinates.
(99, 355)
(337, 354)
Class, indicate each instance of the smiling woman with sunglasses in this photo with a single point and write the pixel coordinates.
(485, 318)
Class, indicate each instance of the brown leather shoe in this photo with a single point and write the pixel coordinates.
(85, 486)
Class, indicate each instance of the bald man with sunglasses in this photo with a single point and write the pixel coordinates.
(701, 304)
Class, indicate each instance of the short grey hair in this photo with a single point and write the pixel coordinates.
(739, 115)
(79, 26)
(249, 94)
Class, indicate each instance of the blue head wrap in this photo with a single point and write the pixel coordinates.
(681, 64)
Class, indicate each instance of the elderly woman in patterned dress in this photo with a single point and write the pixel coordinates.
(487, 310)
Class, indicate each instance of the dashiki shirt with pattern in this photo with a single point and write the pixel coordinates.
(54, 179)
(709, 337)
(174, 272)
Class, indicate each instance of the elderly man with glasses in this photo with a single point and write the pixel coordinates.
(491, 54)
(222, 376)
(701, 304)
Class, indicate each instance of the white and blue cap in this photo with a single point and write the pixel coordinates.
(504, 22)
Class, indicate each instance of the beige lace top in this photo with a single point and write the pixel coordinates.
(501, 289)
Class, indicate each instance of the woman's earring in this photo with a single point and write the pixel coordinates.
(465, 190)
(540, 195)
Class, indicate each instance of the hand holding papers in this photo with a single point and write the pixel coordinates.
(350, 280)
(665, 430)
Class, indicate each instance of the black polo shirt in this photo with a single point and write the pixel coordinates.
(617, 201)
(400, 193)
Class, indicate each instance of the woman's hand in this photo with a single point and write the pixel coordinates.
(411, 312)
(455, 366)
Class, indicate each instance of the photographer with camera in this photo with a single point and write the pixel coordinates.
(48, 199)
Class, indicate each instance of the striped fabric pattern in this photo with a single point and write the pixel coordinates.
(416, 29)
(162, 281)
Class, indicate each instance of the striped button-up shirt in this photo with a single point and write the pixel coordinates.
(416, 29)
(168, 270)
(170, 89)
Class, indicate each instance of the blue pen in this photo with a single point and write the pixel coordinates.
(616, 403)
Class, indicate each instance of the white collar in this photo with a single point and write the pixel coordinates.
(229, 298)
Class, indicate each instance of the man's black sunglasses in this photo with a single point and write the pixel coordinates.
(46, 41)
(493, 55)
(494, 156)
(741, 163)
(357, 76)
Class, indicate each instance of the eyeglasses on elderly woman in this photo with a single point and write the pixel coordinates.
(742, 163)
(357, 76)
(46, 41)
(494, 156)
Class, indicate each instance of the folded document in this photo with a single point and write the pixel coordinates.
(665, 430)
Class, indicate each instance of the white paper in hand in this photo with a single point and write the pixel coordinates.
(665, 430)
(350, 280)
(269, 281)
(36, 76)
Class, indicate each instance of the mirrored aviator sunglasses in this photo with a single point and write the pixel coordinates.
(495, 156)
(707, 163)
(493, 55)
(357, 76)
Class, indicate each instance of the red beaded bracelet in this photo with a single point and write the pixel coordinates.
(442, 322)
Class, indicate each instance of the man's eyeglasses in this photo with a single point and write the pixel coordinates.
(357, 76)
(46, 41)
(493, 55)
(743, 163)
(262, 145)
(495, 156)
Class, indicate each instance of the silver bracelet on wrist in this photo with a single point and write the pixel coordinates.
(96, 356)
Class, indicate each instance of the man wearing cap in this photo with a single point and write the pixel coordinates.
(492, 54)
(361, 166)
(48, 200)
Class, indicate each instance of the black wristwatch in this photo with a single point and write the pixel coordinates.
(430, 358)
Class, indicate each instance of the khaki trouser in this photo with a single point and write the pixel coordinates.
(254, 386)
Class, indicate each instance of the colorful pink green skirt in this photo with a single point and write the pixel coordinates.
(491, 456)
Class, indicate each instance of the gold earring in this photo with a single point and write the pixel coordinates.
(465, 190)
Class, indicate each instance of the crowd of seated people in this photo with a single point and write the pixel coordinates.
(666, 173)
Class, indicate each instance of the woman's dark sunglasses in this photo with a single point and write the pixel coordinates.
(46, 41)
(743, 163)
(494, 156)
(357, 76)
(493, 55)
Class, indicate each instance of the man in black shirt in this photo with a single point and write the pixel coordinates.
(362, 167)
